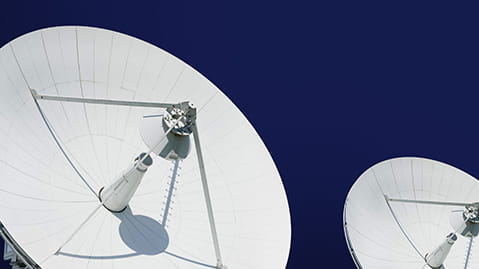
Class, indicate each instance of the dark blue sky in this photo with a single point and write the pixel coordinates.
(332, 88)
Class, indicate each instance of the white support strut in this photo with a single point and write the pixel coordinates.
(206, 192)
(426, 202)
(468, 252)
(78, 229)
(101, 101)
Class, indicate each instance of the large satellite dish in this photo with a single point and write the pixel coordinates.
(116, 154)
(413, 213)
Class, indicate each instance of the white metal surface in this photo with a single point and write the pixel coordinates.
(385, 228)
(43, 199)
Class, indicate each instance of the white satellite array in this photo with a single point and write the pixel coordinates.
(102, 164)
(413, 213)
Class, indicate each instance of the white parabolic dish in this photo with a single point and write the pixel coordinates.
(43, 200)
(387, 225)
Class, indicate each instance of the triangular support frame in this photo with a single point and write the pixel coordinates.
(199, 154)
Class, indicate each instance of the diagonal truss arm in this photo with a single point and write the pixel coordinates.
(206, 192)
(426, 202)
(101, 101)
(78, 228)
(57, 141)
(403, 230)
(468, 252)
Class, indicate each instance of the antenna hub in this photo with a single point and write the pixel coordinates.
(184, 115)
(471, 213)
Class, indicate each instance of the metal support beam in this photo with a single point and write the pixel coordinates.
(78, 228)
(101, 101)
(426, 202)
(468, 252)
(396, 219)
(206, 192)
(59, 144)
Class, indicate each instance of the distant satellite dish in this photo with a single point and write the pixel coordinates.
(116, 154)
(413, 213)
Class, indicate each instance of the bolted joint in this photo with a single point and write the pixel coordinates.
(182, 116)
(471, 213)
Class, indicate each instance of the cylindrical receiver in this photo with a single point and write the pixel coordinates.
(117, 196)
(436, 258)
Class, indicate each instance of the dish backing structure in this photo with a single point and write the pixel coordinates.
(116, 154)
(413, 213)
